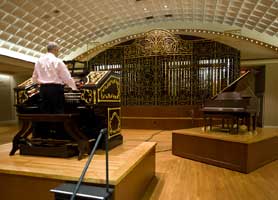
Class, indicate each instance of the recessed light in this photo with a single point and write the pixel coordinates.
(149, 17)
(56, 11)
(168, 15)
(165, 6)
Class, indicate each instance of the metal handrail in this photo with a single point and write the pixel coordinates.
(102, 132)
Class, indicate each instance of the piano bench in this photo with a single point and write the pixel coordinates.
(245, 117)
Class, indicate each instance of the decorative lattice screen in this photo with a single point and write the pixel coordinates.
(162, 68)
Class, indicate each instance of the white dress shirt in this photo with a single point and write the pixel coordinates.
(50, 69)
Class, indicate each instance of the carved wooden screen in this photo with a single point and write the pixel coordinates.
(163, 69)
(215, 66)
(157, 70)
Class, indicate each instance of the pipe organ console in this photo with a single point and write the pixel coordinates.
(95, 106)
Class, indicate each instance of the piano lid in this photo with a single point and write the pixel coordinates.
(240, 85)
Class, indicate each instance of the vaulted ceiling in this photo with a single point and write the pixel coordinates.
(79, 25)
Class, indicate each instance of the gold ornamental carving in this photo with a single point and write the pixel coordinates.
(94, 77)
(88, 96)
(22, 97)
(114, 122)
(158, 42)
(110, 91)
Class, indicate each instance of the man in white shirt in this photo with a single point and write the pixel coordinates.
(52, 74)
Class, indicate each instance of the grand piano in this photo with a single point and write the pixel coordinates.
(235, 105)
(94, 107)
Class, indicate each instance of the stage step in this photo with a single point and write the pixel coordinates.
(64, 192)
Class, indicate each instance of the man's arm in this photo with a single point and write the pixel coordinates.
(35, 74)
(65, 76)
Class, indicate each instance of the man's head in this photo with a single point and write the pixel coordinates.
(53, 47)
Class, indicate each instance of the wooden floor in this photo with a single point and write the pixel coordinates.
(7, 131)
(182, 179)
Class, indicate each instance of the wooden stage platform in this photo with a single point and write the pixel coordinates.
(29, 177)
(243, 152)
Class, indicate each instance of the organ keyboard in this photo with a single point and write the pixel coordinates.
(72, 97)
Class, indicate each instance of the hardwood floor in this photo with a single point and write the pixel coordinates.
(7, 131)
(183, 179)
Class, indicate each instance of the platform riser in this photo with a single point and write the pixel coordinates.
(237, 156)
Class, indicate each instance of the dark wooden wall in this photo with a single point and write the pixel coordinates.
(161, 117)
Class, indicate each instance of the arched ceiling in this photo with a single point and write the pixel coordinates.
(78, 25)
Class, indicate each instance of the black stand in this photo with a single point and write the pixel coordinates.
(78, 191)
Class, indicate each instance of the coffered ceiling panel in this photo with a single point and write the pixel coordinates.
(27, 25)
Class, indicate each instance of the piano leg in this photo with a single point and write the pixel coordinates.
(210, 123)
(248, 119)
(237, 124)
(232, 129)
(205, 123)
(254, 117)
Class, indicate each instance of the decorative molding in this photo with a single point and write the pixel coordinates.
(94, 51)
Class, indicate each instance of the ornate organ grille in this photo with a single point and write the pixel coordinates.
(164, 69)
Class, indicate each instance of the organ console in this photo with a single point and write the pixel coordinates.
(95, 106)
(234, 105)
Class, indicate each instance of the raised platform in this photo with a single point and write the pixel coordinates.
(29, 177)
(243, 152)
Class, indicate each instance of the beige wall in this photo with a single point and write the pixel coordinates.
(7, 84)
(271, 95)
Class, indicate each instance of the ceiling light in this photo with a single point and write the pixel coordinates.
(165, 6)
(145, 9)
(168, 15)
(56, 11)
(150, 17)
